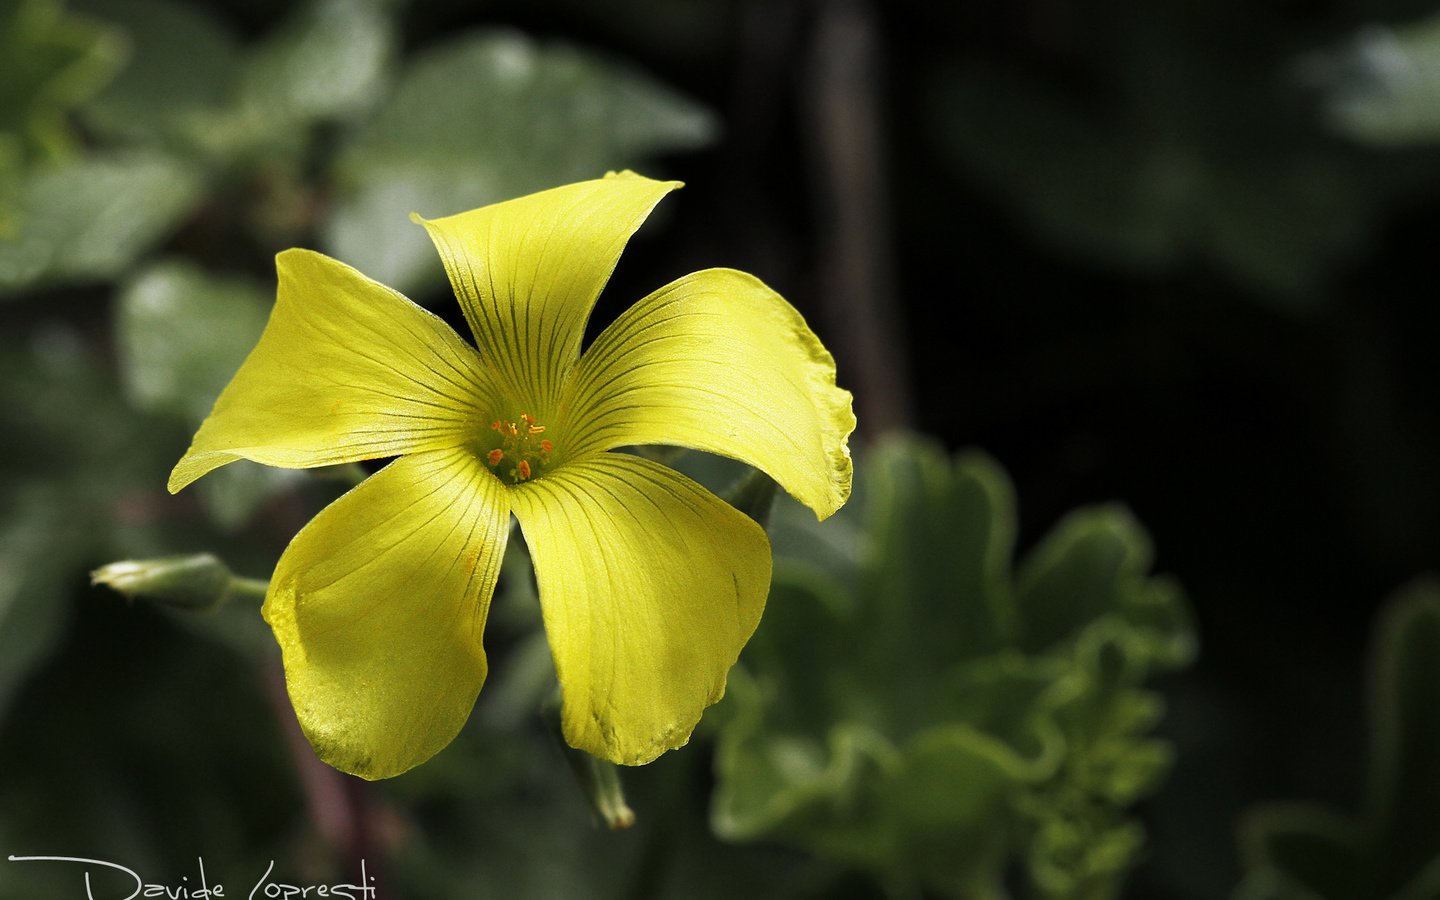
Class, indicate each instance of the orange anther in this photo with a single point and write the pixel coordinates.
(524, 469)
(537, 429)
(547, 447)
(495, 456)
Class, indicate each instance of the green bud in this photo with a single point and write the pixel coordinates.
(195, 583)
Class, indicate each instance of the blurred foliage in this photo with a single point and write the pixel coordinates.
(49, 62)
(200, 118)
(912, 706)
(181, 333)
(90, 219)
(195, 89)
(1155, 138)
(1382, 86)
(1391, 849)
(432, 147)
(66, 500)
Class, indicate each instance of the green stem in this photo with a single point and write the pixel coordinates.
(754, 495)
(599, 779)
(249, 588)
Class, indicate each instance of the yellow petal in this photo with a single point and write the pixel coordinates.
(347, 369)
(717, 361)
(527, 273)
(378, 605)
(650, 585)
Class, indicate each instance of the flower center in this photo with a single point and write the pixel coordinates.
(523, 451)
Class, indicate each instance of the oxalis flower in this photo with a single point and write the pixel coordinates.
(649, 584)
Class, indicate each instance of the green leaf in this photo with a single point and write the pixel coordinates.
(1074, 857)
(937, 720)
(328, 60)
(182, 72)
(954, 794)
(945, 524)
(1085, 569)
(1391, 849)
(1305, 851)
(89, 220)
(182, 333)
(1134, 145)
(1405, 775)
(49, 62)
(486, 116)
(1383, 86)
(193, 89)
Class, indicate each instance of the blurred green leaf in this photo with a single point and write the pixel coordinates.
(182, 333)
(195, 90)
(328, 60)
(1160, 138)
(1391, 849)
(1405, 775)
(183, 70)
(938, 720)
(1301, 852)
(91, 219)
(1082, 571)
(49, 62)
(1382, 87)
(484, 117)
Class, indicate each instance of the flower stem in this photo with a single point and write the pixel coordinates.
(599, 779)
(248, 588)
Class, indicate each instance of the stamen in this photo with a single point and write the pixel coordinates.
(518, 443)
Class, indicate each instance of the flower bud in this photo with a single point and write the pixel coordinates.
(195, 583)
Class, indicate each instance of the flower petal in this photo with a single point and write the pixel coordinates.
(378, 605)
(527, 272)
(717, 361)
(347, 369)
(650, 586)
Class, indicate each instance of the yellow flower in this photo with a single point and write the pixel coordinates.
(650, 585)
